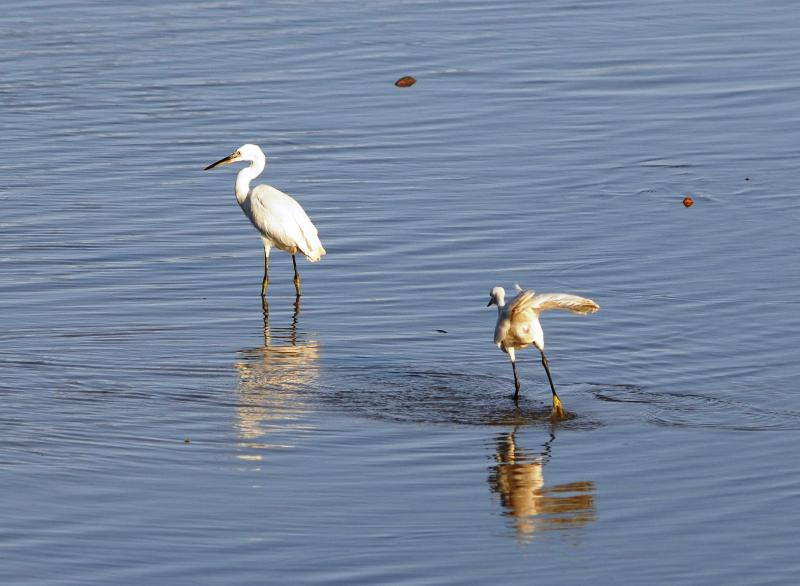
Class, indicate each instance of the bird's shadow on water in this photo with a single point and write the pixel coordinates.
(438, 396)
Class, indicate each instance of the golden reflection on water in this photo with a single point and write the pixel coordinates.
(272, 379)
(519, 480)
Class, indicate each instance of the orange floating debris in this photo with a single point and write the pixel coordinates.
(688, 201)
(406, 81)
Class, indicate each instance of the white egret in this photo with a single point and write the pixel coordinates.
(518, 327)
(282, 222)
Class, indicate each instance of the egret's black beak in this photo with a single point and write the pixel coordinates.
(490, 302)
(226, 161)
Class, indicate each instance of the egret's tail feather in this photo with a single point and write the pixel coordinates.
(312, 247)
(316, 254)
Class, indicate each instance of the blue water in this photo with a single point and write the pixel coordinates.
(159, 426)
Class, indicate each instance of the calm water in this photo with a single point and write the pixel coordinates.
(158, 426)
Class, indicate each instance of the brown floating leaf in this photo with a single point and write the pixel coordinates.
(406, 81)
(688, 201)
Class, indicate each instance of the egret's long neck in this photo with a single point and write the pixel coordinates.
(246, 175)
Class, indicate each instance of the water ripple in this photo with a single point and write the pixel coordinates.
(693, 410)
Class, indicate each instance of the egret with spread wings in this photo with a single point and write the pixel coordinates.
(518, 327)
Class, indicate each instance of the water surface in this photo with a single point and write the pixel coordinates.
(160, 426)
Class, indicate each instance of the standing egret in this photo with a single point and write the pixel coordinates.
(282, 222)
(518, 326)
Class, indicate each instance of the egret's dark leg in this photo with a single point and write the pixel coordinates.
(558, 408)
(265, 308)
(516, 381)
(265, 312)
(296, 277)
(265, 282)
(293, 329)
(296, 310)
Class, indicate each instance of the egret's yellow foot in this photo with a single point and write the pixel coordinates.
(558, 409)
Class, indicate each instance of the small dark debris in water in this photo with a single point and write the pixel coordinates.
(405, 81)
(186, 440)
(442, 331)
(747, 178)
(688, 201)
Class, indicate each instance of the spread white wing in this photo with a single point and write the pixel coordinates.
(565, 301)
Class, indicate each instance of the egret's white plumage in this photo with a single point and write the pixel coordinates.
(282, 222)
(518, 326)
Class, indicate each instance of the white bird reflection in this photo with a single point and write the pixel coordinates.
(519, 480)
(272, 381)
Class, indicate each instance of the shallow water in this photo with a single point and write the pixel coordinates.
(160, 426)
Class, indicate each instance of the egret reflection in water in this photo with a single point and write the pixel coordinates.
(272, 383)
(519, 480)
